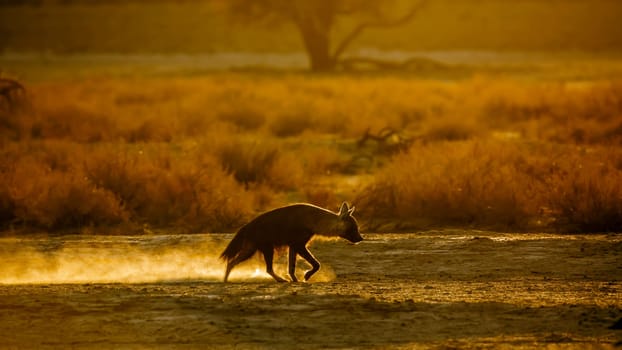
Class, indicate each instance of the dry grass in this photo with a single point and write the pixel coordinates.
(207, 153)
(62, 185)
(262, 163)
(455, 184)
(499, 185)
(585, 191)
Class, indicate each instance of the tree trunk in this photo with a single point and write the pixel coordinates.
(317, 44)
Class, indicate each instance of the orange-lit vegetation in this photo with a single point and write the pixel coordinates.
(207, 153)
(503, 185)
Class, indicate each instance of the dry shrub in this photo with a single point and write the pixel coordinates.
(152, 130)
(53, 154)
(500, 185)
(123, 173)
(15, 124)
(243, 118)
(324, 161)
(558, 112)
(200, 197)
(10, 128)
(248, 162)
(446, 129)
(320, 196)
(158, 188)
(286, 125)
(112, 109)
(63, 185)
(163, 109)
(51, 199)
(286, 172)
(73, 123)
(612, 134)
(254, 162)
(169, 151)
(602, 101)
(512, 105)
(459, 183)
(586, 191)
(155, 96)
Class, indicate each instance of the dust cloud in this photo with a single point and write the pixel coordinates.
(122, 259)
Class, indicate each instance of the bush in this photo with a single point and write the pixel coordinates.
(169, 153)
(455, 184)
(161, 189)
(587, 194)
(51, 199)
(451, 130)
(260, 163)
(61, 185)
(286, 125)
(500, 185)
(152, 130)
(247, 162)
(244, 119)
(73, 123)
(324, 160)
(321, 196)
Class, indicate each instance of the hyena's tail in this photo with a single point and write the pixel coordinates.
(234, 248)
(238, 250)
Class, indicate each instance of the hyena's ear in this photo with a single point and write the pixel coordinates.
(344, 212)
(351, 211)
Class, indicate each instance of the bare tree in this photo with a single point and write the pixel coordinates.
(316, 19)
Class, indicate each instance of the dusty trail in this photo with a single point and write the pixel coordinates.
(436, 289)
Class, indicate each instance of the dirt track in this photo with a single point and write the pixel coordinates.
(434, 289)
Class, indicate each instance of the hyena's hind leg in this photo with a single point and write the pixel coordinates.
(246, 253)
(268, 255)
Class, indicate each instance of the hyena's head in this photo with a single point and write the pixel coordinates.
(349, 224)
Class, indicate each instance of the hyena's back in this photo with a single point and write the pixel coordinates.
(280, 227)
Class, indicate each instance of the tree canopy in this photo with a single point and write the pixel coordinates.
(316, 20)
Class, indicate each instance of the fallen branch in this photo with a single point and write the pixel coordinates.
(388, 141)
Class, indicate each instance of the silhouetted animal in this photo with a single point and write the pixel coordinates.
(291, 226)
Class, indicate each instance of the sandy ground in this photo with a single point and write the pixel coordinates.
(451, 289)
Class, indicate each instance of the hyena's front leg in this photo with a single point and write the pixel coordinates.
(315, 265)
(292, 263)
